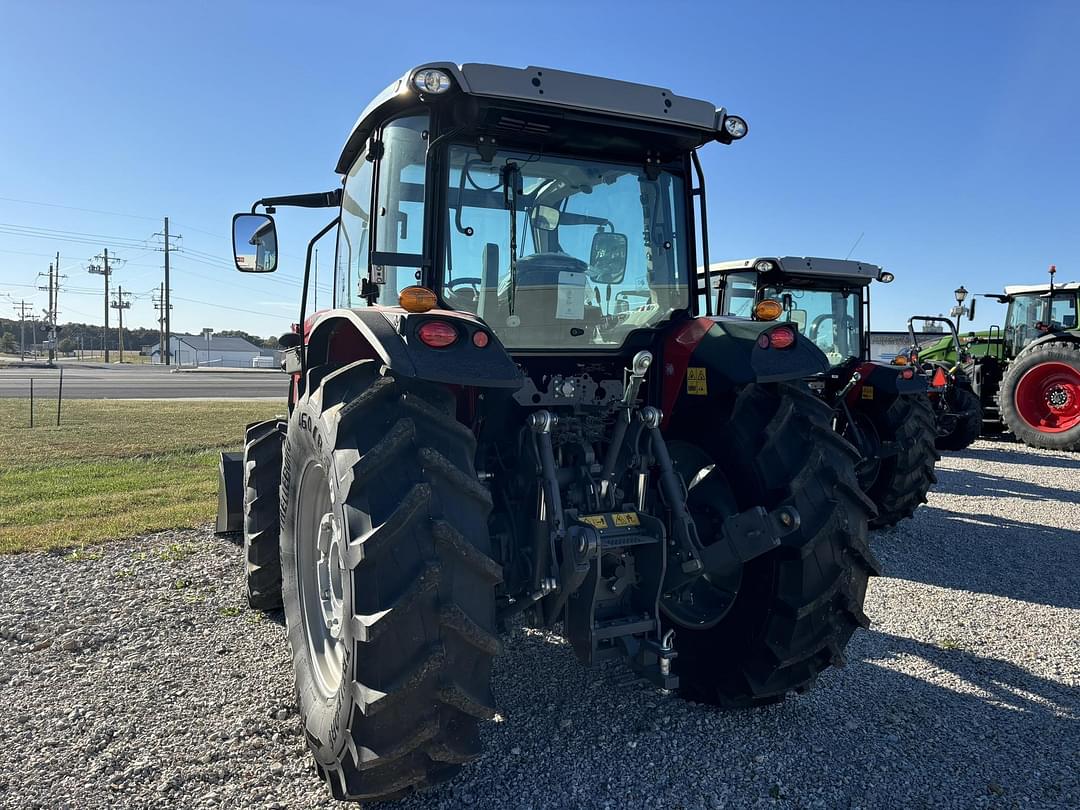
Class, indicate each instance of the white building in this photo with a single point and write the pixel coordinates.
(198, 350)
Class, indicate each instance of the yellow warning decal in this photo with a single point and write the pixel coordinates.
(625, 519)
(867, 392)
(596, 521)
(696, 382)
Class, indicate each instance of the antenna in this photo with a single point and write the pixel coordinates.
(1053, 270)
(861, 235)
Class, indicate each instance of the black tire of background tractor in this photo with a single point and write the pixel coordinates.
(799, 604)
(418, 593)
(965, 404)
(904, 478)
(1060, 351)
(262, 508)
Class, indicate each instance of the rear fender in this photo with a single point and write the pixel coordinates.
(880, 383)
(704, 357)
(230, 512)
(389, 335)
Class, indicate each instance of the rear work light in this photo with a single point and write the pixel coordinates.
(437, 334)
(782, 337)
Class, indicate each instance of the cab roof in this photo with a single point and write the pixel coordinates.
(1019, 289)
(546, 88)
(812, 266)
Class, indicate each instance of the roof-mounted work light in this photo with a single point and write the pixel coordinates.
(431, 80)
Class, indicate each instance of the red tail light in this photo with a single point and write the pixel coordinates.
(480, 338)
(907, 373)
(782, 337)
(437, 334)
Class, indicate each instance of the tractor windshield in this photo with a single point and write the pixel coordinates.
(830, 318)
(1032, 314)
(560, 253)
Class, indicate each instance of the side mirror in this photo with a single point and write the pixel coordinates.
(545, 218)
(971, 311)
(255, 243)
(607, 259)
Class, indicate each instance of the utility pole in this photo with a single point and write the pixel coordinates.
(102, 269)
(22, 309)
(51, 312)
(120, 305)
(166, 297)
(159, 305)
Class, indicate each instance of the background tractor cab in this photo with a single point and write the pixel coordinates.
(509, 410)
(1038, 400)
(881, 408)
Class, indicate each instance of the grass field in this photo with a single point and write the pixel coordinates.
(113, 468)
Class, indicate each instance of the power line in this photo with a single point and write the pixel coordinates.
(74, 208)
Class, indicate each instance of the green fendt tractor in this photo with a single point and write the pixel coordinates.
(882, 409)
(1027, 375)
(519, 408)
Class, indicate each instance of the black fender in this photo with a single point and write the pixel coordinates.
(230, 512)
(1050, 337)
(704, 357)
(883, 382)
(389, 335)
(732, 354)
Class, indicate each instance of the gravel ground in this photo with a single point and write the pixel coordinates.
(131, 675)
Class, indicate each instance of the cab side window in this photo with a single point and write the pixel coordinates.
(354, 233)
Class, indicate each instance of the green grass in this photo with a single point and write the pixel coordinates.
(113, 468)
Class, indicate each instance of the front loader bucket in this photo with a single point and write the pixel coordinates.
(230, 510)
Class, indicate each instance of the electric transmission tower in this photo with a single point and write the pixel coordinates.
(168, 244)
(120, 305)
(99, 265)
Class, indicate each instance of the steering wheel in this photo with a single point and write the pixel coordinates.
(472, 281)
(815, 325)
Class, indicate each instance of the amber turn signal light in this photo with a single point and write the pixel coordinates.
(768, 310)
(417, 299)
(900, 360)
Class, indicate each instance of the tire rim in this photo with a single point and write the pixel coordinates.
(1048, 397)
(320, 575)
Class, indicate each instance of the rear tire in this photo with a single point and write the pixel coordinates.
(963, 402)
(903, 479)
(262, 507)
(392, 703)
(798, 605)
(1040, 396)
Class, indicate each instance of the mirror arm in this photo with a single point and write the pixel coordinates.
(324, 199)
(303, 294)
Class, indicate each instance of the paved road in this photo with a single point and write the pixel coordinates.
(140, 382)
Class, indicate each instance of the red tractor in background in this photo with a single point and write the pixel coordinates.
(519, 406)
(881, 408)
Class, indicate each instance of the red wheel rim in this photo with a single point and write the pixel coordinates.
(1048, 397)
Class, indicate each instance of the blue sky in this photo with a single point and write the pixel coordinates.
(944, 133)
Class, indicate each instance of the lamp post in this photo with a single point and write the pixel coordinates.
(960, 294)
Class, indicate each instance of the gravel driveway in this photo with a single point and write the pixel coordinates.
(131, 675)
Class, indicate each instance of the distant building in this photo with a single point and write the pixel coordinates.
(220, 351)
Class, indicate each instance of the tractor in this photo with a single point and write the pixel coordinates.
(1027, 375)
(956, 405)
(881, 408)
(518, 409)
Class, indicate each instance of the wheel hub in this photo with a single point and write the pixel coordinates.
(329, 570)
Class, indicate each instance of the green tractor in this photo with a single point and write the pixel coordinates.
(882, 409)
(519, 408)
(1027, 375)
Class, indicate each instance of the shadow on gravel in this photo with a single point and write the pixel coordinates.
(966, 482)
(982, 553)
(993, 454)
(1005, 687)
